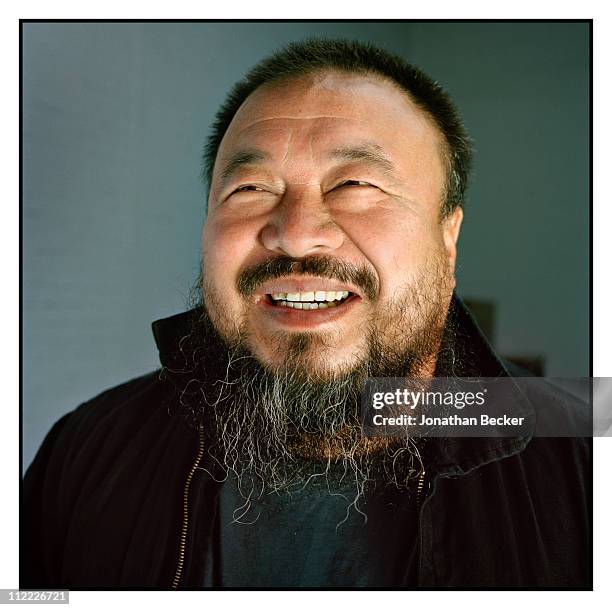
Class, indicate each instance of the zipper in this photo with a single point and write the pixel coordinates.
(420, 486)
(185, 527)
(420, 506)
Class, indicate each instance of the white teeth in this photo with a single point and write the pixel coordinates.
(309, 297)
(319, 299)
(307, 306)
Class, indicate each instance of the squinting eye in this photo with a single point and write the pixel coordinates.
(354, 183)
(248, 187)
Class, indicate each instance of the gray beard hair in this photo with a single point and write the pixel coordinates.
(277, 430)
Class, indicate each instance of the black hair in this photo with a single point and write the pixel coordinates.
(317, 55)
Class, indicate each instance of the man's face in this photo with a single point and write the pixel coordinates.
(343, 176)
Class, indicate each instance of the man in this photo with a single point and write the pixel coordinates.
(337, 174)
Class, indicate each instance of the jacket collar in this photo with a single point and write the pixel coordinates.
(465, 352)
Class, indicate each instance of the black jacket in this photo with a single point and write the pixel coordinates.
(115, 497)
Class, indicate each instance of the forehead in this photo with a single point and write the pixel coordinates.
(319, 111)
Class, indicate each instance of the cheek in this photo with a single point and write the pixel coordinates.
(397, 247)
(225, 248)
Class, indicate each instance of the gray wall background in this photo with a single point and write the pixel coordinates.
(114, 116)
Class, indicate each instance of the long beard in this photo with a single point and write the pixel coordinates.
(276, 429)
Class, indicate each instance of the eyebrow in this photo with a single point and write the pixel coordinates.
(239, 159)
(367, 152)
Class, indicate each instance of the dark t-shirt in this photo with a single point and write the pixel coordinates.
(314, 537)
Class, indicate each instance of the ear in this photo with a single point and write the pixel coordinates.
(451, 226)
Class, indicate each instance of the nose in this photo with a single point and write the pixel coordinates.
(301, 225)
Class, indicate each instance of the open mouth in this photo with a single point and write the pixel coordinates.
(309, 301)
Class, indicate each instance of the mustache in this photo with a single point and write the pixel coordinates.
(324, 266)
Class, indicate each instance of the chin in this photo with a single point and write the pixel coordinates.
(302, 357)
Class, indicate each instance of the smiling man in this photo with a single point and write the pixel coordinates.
(336, 174)
(335, 182)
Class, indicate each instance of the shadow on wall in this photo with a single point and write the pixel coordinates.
(485, 314)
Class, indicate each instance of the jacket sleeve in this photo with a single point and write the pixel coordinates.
(40, 540)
